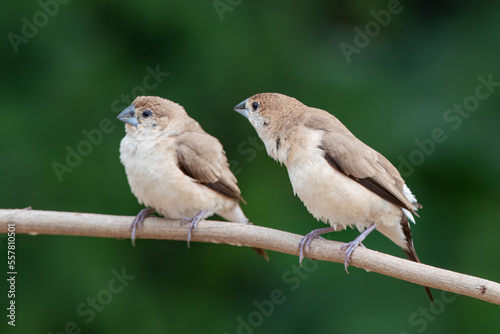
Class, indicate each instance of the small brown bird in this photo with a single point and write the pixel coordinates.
(174, 167)
(340, 180)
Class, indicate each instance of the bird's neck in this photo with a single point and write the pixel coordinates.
(277, 146)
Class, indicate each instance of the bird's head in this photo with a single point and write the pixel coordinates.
(269, 112)
(150, 115)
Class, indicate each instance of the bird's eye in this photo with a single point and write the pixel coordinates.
(147, 113)
(255, 106)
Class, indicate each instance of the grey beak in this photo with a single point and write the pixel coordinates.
(241, 108)
(128, 116)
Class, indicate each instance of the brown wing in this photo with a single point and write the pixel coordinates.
(201, 157)
(352, 157)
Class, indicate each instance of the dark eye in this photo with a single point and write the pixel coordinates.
(147, 113)
(255, 106)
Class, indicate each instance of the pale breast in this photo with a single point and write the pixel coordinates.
(157, 182)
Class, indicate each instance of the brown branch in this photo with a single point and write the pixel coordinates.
(35, 222)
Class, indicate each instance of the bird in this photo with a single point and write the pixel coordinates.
(341, 181)
(174, 167)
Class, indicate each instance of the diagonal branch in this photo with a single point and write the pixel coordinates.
(35, 222)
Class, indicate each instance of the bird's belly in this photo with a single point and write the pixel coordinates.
(172, 197)
(337, 199)
(160, 184)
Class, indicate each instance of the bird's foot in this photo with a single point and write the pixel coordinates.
(193, 224)
(139, 221)
(351, 246)
(305, 242)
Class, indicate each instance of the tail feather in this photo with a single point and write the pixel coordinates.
(410, 252)
(237, 215)
(234, 214)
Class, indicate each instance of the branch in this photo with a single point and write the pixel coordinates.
(35, 222)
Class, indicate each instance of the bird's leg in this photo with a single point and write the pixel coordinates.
(351, 246)
(139, 221)
(194, 222)
(305, 242)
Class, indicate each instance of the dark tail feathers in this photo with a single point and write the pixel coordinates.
(410, 253)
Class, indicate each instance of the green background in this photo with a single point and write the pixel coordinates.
(395, 91)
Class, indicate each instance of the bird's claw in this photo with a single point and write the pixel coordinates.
(304, 246)
(193, 224)
(139, 221)
(351, 246)
(305, 242)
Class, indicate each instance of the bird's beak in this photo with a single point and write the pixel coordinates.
(241, 108)
(128, 116)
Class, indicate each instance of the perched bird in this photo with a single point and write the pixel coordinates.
(174, 167)
(340, 180)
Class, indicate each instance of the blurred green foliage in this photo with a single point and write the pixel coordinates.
(86, 60)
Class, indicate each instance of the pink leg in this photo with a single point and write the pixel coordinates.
(139, 221)
(351, 246)
(305, 242)
(194, 222)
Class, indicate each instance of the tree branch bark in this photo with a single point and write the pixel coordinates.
(35, 222)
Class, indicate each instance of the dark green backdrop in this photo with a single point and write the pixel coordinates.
(392, 72)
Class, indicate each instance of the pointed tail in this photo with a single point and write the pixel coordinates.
(237, 215)
(411, 254)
